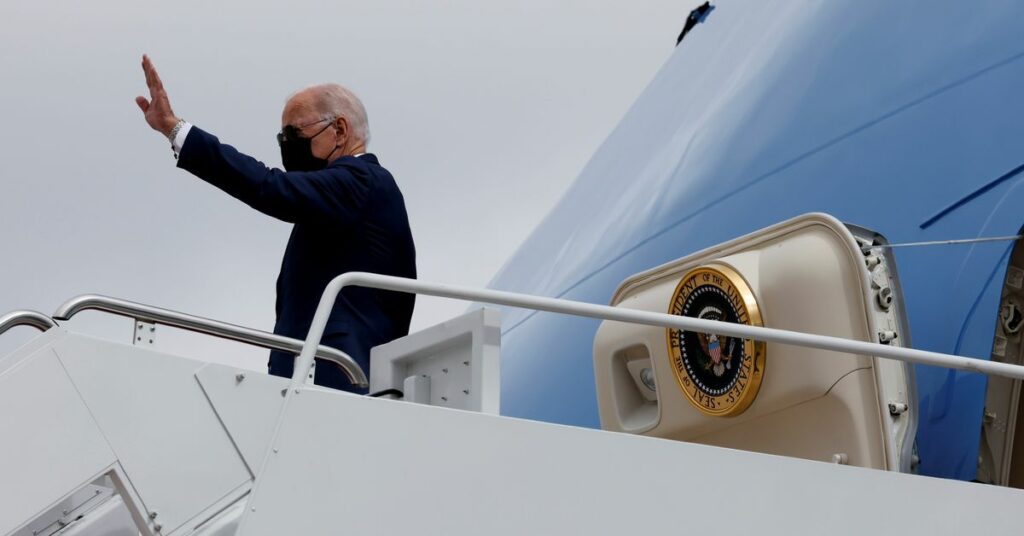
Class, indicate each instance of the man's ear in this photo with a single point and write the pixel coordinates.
(341, 125)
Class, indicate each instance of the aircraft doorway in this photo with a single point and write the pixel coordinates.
(1001, 451)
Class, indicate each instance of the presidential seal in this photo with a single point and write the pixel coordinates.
(719, 375)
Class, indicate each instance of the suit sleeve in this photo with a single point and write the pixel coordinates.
(335, 195)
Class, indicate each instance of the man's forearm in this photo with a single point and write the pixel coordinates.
(237, 174)
(335, 197)
(203, 155)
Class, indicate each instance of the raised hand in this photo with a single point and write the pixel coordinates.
(158, 108)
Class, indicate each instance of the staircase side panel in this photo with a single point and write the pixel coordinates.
(50, 443)
(371, 466)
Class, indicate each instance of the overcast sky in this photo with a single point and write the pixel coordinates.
(484, 112)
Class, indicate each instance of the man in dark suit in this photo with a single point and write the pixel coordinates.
(348, 212)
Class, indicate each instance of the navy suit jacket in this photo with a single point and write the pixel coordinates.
(348, 217)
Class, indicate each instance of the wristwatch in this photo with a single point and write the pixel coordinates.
(175, 130)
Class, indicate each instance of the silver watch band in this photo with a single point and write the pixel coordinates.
(175, 130)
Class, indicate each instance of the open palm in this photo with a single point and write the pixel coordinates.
(157, 108)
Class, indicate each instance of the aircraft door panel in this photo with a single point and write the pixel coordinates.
(810, 274)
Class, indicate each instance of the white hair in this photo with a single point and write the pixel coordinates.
(335, 100)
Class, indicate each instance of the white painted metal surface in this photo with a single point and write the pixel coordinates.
(224, 523)
(247, 404)
(51, 445)
(173, 434)
(394, 468)
(455, 364)
(20, 354)
(155, 416)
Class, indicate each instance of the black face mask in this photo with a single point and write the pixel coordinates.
(297, 152)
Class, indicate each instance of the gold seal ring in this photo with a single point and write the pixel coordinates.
(719, 375)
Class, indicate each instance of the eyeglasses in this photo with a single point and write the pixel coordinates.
(291, 132)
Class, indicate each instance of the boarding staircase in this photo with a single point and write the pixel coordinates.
(118, 438)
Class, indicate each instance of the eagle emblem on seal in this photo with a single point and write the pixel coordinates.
(712, 344)
(719, 374)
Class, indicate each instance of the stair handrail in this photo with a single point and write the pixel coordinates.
(25, 317)
(198, 324)
(623, 314)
